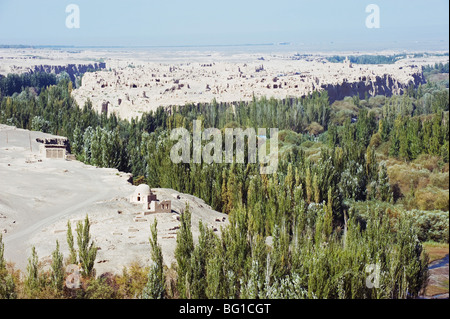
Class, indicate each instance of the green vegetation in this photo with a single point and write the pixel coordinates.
(359, 182)
(14, 83)
(384, 59)
(435, 69)
(368, 59)
(7, 285)
(156, 286)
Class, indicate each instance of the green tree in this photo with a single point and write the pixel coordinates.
(383, 184)
(199, 261)
(77, 145)
(232, 191)
(183, 252)
(280, 254)
(371, 164)
(57, 270)
(309, 188)
(252, 287)
(156, 285)
(87, 251)
(224, 193)
(328, 219)
(316, 189)
(32, 279)
(403, 151)
(394, 147)
(437, 136)
(73, 253)
(215, 277)
(7, 285)
(414, 138)
(290, 180)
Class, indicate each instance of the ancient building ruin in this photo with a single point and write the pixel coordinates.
(149, 201)
(55, 148)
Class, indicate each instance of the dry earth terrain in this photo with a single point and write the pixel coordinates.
(38, 196)
(136, 81)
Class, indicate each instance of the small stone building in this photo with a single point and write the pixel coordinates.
(55, 148)
(164, 206)
(149, 201)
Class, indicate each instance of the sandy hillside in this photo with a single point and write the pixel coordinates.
(38, 196)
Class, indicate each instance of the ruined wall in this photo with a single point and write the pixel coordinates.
(54, 152)
(379, 85)
(164, 206)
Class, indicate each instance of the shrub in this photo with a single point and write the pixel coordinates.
(404, 175)
(132, 281)
(432, 225)
(100, 288)
(429, 162)
(290, 137)
(375, 141)
(315, 128)
(440, 180)
(432, 198)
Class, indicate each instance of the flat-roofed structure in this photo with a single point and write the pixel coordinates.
(55, 148)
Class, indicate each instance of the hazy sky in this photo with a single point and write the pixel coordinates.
(209, 22)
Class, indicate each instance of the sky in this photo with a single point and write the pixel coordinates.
(226, 22)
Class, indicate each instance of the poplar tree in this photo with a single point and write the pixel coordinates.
(384, 187)
(7, 285)
(156, 285)
(199, 260)
(309, 190)
(87, 251)
(32, 281)
(224, 194)
(394, 147)
(316, 189)
(290, 180)
(73, 253)
(371, 164)
(215, 277)
(77, 144)
(183, 252)
(57, 273)
(231, 192)
(328, 220)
